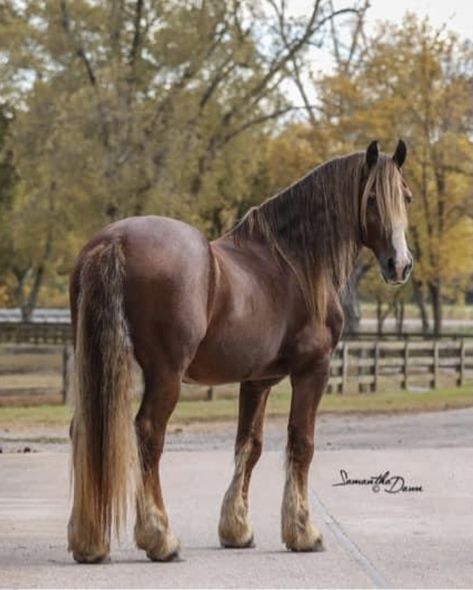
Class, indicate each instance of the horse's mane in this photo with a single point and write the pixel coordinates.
(316, 224)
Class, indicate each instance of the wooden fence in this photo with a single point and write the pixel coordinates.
(408, 364)
(35, 359)
(35, 333)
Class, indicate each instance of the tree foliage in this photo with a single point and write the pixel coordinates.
(176, 107)
(128, 107)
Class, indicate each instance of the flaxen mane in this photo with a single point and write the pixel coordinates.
(316, 225)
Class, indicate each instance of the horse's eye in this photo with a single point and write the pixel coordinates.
(371, 201)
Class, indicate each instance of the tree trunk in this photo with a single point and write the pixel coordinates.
(20, 294)
(26, 313)
(435, 291)
(28, 306)
(351, 310)
(379, 317)
(420, 302)
(399, 315)
(27, 301)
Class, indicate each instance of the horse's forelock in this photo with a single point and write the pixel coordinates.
(385, 181)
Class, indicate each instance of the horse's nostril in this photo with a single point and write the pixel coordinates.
(391, 265)
(407, 270)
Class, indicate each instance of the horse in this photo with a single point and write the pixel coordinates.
(258, 304)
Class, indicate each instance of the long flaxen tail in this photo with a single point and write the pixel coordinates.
(105, 456)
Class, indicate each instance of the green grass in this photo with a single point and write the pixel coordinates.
(450, 312)
(25, 416)
(187, 412)
(399, 401)
(385, 402)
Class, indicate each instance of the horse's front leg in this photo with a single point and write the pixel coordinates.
(298, 533)
(234, 529)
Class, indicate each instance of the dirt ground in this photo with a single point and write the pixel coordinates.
(333, 432)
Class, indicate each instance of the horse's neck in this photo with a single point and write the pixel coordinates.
(312, 225)
(324, 234)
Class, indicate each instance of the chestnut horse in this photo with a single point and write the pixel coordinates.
(256, 305)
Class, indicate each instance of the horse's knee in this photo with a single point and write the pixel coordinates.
(144, 426)
(150, 438)
(251, 449)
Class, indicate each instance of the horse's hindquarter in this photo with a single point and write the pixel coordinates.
(166, 289)
(250, 317)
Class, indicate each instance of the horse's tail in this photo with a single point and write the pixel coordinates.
(103, 434)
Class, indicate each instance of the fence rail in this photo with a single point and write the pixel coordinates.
(49, 332)
(370, 365)
(35, 359)
(60, 332)
(35, 333)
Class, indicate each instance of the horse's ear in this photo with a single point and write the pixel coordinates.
(372, 153)
(400, 153)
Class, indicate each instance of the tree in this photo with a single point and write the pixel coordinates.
(33, 222)
(7, 185)
(129, 107)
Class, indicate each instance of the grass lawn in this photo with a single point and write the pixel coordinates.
(187, 412)
(449, 312)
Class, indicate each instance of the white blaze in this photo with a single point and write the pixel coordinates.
(399, 243)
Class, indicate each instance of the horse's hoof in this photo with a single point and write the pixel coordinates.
(248, 544)
(165, 551)
(316, 547)
(235, 535)
(91, 559)
(238, 544)
(164, 558)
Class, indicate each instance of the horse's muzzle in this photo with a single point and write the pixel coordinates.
(395, 273)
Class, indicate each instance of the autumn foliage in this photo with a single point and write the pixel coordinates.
(121, 108)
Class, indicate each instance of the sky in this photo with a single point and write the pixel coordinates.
(455, 15)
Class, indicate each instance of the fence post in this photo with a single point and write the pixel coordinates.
(329, 388)
(436, 364)
(344, 367)
(210, 394)
(374, 384)
(65, 372)
(362, 371)
(461, 375)
(405, 365)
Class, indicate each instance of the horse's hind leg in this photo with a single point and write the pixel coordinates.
(152, 531)
(234, 529)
